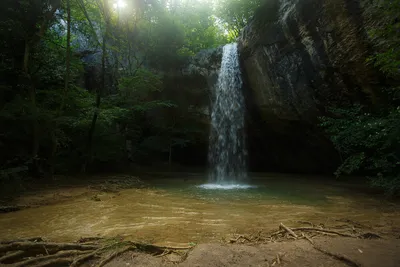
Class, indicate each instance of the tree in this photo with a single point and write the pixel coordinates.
(235, 14)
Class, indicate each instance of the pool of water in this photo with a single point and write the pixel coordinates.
(176, 209)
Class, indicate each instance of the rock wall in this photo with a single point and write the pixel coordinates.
(299, 57)
(191, 89)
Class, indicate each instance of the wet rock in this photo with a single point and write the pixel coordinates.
(205, 64)
(299, 58)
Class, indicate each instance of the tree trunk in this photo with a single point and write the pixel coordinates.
(54, 140)
(170, 154)
(89, 143)
(32, 98)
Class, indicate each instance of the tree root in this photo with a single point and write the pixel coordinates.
(58, 255)
(291, 231)
(54, 262)
(102, 251)
(286, 233)
(78, 261)
(322, 231)
(29, 252)
(32, 239)
(114, 254)
(44, 247)
(10, 257)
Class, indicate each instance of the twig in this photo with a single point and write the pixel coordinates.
(306, 237)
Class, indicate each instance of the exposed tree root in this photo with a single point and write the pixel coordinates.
(54, 262)
(37, 253)
(322, 231)
(79, 260)
(85, 240)
(291, 231)
(43, 259)
(44, 247)
(32, 239)
(32, 253)
(286, 233)
(114, 254)
(10, 257)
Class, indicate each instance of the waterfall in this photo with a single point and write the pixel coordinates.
(227, 150)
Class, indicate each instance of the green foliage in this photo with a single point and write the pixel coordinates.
(235, 14)
(387, 37)
(369, 143)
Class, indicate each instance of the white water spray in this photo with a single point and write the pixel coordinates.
(227, 151)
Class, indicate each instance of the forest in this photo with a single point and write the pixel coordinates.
(92, 82)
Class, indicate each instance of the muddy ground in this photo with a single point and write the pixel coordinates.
(358, 252)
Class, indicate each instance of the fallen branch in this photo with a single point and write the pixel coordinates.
(287, 229)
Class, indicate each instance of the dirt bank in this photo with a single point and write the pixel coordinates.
(323, 251)
(301, 246)
(368, 253)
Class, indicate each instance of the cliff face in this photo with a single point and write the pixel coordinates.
(298, 58)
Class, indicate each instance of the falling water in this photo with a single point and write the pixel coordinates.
(227, 151)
